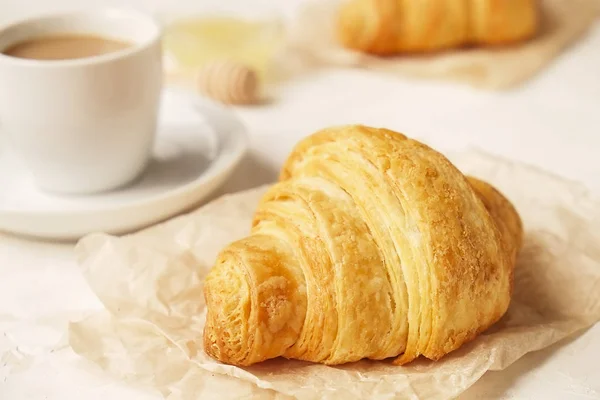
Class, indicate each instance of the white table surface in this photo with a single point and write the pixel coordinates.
(552, 122)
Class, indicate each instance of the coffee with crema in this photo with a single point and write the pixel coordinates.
(65, 47)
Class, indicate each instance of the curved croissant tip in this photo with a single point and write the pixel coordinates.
(503, 213)
(227, 296)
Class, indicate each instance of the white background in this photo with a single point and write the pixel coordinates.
(552, 122)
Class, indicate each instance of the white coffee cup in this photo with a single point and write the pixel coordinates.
(83, 125)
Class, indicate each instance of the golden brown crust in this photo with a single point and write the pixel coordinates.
(372, 245)
(387, 27)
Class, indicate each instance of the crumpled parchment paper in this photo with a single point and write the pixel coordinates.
(312, 43)
(151, 285)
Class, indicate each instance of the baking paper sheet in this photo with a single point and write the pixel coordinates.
(151, 286)
(312, 43)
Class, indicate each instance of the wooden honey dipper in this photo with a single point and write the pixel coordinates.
(228, 82)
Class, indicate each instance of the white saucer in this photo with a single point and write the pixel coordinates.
(198, 145)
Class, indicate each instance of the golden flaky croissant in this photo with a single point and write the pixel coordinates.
(395, 26)
(371, 245)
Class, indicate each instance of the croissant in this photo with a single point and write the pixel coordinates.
(371, 245)
(393, 26)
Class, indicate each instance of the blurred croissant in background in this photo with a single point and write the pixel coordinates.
(371, 245)
(387, 27)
